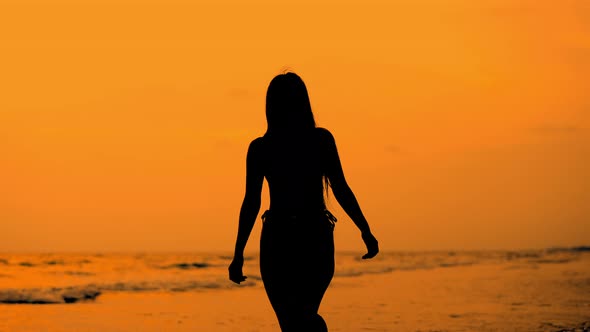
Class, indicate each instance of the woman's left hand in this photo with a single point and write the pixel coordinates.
(372, 245)
(235, 270)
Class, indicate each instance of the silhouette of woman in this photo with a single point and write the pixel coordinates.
(297, 245)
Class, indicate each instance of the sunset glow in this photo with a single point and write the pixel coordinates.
(124, 124)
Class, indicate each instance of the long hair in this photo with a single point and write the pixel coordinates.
(288, 110)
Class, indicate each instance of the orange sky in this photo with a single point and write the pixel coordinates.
(461, 124)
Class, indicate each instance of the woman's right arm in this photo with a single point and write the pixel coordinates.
(249, 210)
(345, 196)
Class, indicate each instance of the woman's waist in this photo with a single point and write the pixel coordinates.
(298, 216)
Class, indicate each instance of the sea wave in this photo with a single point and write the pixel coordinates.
(73, 278)
(89, 292)
(186, 266)
(48, 295)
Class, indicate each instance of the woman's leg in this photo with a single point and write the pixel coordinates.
(319, 272)
(277, 270)
(297, 266)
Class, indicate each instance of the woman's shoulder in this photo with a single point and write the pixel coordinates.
(256, 151)
(257, 141)
(324, 135)
(323, 132)
(256, 144)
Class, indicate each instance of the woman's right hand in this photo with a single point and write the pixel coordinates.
(235, 270)
(372, 245)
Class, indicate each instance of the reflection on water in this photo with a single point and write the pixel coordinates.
(73, 278)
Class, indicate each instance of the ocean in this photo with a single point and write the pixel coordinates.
(71, 278)
(74, 279)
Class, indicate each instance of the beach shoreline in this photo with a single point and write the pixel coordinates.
(526, 293)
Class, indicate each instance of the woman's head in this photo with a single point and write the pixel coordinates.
(287, 105)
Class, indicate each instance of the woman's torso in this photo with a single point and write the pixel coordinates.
(294, 167)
